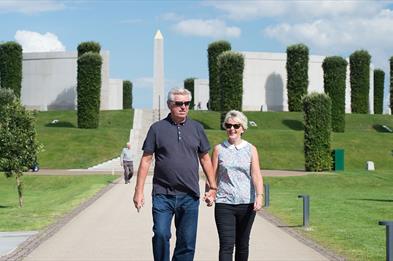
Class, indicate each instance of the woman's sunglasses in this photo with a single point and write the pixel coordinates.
(229, 126)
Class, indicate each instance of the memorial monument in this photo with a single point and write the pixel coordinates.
(159, 104)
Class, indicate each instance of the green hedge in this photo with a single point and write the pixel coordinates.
(334, 75)
(189, 85)
(360, 80)
(91, 46)
(297, 75)
(89, 90)
(379, 82)
(213, 51)
(11, 67)
(230, 68)
(127, 94)
(317, 130)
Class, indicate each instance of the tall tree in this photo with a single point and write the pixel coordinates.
(19, 146)
(213, 51)
(359, 62)
(297, 75)
(189, 85)
(127, 94)
(334, 75)
(11, 67)
(379, 82)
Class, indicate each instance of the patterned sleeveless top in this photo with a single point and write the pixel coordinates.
(235, 184)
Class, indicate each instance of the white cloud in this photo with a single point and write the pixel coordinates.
(36, 42)
(339, 35)
(296, 10)
(30, 7)
(207, 28)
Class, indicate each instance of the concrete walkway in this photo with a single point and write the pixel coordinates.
(111, 229)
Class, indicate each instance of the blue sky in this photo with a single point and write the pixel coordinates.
(127, 28)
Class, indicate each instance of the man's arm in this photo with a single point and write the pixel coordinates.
(143, 169)
(209, 173)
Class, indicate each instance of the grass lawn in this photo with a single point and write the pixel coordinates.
(46, 198)
(66, 146)
(344, 209)
(279, 138)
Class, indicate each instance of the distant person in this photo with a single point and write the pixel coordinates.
(199, 106)
(127, 163)
(240, 188)
(178, 143)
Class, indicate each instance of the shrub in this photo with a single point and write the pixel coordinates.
(89, 90)
(214, 50)
(19, 146)
(230, 68)
(11, 66)
(297, 75)
(379, 82)
(334, 75)
(359, 62)
(91, 46)
(189, 85)
(317, 129)
(127, 95)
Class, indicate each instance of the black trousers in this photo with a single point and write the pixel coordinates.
(234, 223)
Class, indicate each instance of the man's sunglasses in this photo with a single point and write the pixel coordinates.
(180, 103)
(229, 126)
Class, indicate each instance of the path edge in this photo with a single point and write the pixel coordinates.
(329, 254)
(30, 244)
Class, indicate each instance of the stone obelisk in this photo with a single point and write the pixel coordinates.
(159, 104)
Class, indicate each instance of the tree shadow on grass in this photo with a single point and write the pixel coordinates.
(61, 124)
(2, 206)
(294, 124)
(380, 128)
(373, 199)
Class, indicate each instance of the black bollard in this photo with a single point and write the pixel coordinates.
(389, 239)
(306, 209)
(267, 195)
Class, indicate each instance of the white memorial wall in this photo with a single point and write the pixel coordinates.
(49, 82)
(265, 82)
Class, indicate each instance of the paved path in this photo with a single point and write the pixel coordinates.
(111, 229)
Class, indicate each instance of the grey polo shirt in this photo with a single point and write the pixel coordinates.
(176, 148)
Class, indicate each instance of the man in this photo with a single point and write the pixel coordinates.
(177, 143)
(126, 163)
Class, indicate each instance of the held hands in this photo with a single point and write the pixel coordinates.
(210, 196)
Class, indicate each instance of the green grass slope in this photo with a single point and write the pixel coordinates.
(66, 146)
(279, 138)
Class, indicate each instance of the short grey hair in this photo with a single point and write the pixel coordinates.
(238, 117)
(178, 91)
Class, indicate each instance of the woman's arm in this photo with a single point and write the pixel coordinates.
(256, 178)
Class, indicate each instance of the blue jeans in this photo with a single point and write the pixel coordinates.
(185, 209)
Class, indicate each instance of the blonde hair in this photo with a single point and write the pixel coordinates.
(238, 117)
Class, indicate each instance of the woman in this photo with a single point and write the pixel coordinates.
(240, 188)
